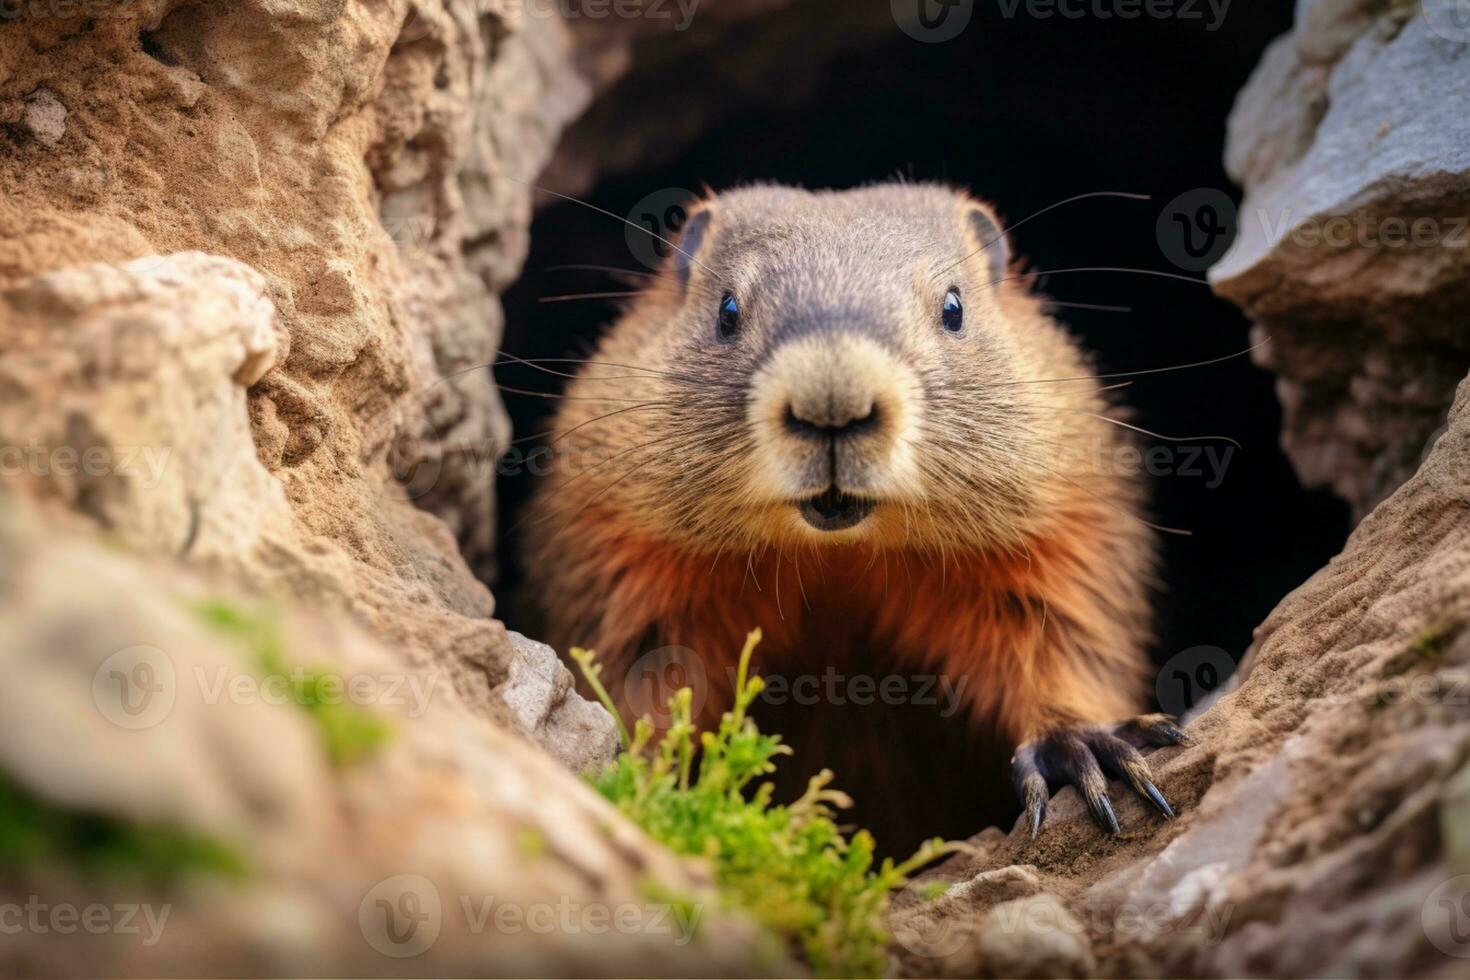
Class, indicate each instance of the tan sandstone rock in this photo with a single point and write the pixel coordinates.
(451, 848)
(1354, 247)
(249, 263)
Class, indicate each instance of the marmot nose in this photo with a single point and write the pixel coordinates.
(813, 419)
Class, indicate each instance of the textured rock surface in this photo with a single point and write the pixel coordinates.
(249, 256)
(1322, 812)
(1322, 824)
(350, 154)
(451, 849)
(126, 399)
(1354, 248)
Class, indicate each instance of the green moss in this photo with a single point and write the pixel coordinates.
(34, 833)
(349, 733)
(1432, 641)
(531, 842)
(1427, 647)
(787, 866)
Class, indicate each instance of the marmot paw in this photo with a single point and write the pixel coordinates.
(1083, 756)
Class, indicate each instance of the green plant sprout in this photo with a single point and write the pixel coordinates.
(788, 867)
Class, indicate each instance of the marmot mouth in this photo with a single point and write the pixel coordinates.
(833, 510)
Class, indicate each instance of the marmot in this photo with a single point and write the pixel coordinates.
(835, 416)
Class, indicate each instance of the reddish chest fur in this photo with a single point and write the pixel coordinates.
(1023, 637)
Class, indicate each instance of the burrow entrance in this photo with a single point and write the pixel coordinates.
(1135, 106)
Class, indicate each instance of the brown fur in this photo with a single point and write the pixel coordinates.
(1004, 556)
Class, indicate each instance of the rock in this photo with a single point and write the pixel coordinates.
(450, 847)
(935, 919)
(540, 693)
(331, 152)
(1319, 827)
(45, 116)
(260, 313)
(1033, 937)
(1353, 252)
(127, 399)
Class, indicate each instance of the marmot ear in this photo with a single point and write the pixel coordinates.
(691, 241)
(987, 238)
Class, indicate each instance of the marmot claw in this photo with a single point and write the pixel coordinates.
(1084, 756)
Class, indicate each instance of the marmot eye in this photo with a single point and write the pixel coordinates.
(953, 313)
(729, 322)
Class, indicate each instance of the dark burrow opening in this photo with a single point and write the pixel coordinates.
(1025, 112)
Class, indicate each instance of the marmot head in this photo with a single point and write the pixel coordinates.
(836, 368)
